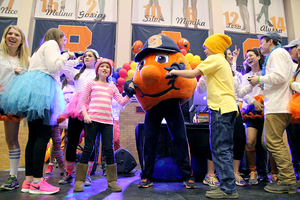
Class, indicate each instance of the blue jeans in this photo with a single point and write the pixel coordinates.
(221, 144)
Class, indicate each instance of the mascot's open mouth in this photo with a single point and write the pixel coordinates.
(162, 92)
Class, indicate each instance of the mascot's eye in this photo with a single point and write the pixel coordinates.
(141, 64)
(162, 58)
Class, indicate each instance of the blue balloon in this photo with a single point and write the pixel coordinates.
(116, 74)
(118, 69)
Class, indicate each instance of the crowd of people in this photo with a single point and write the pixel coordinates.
(33, 90)
(265, 126)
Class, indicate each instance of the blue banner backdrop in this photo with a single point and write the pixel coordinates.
(195, 37)
(5, 22)
(81, 35)
(245, 42)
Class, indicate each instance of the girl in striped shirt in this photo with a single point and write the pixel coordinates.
(95, 105)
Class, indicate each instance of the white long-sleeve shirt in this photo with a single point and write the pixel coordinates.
(239, 91)
(7, 66)
(279, 71)
(296, 84)
(48, 59)
(256, 90)
(115, 109)
(85, 77)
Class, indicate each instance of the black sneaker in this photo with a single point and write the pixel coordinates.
(10, 184)
(66, 179)
(190, 184)
(145, 183)
(264, 178)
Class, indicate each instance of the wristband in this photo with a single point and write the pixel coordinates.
(258, 79)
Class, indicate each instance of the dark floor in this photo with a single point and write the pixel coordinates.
(159, 191)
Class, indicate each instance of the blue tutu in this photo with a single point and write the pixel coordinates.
(34, 95)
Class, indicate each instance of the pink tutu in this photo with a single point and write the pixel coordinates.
(72, 109)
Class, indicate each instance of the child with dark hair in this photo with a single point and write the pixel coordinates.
(76, 125)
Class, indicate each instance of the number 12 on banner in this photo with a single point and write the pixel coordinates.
(280, 23)
(235, 18)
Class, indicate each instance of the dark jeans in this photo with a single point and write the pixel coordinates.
(221, 141)
(91, 132)
(171, 111)
(293, 131)
(239, 139)
(38, 138)
(75, 128)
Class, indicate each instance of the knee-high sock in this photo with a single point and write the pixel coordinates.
(14, 160)
(91, 164)
(70, 167)
(251, 156)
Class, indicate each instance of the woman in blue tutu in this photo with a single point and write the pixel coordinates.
(14, 54)
(37, 95)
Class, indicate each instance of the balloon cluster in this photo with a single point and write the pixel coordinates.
(121, 75)
(184, 46)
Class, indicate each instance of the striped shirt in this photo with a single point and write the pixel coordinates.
(96, 99)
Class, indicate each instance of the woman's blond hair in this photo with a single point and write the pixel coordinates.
(23, 49)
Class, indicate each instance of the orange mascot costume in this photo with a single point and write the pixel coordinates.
(160, 97)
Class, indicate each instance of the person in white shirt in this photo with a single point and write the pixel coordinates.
(292, 49)
(37, 95)
(294, 127)
(14, 58)
(276, 74)
(80, 77)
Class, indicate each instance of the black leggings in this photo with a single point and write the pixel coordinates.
(75, 128)
(38, 138)
(92, 132)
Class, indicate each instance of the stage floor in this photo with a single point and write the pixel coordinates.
(159, 191)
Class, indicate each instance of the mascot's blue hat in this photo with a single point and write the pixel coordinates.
(157, 43)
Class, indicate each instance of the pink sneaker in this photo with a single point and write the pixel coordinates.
(43, 188)
(49, 169)
(25, 186)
